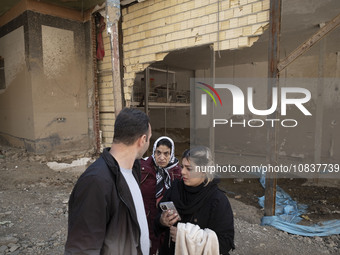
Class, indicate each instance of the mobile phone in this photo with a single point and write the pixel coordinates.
(169, 205)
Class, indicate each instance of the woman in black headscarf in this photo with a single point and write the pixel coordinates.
(204, 210)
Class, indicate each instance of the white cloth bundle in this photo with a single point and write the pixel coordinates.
(192, 240)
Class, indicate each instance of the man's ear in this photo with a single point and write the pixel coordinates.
(142, 140)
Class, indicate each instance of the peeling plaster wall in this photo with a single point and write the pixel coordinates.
(59, 85)
(58, 51)
(16, 108)
(57, 77)
(152, 29)
(12, 48)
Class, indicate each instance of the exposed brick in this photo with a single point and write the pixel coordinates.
(153, 28)
(160, 56)
(107, 122)
(211, 9)
(104, 66)
(234, 3)
(104, 78)
(104, 90)
(222, 36)
(258, 28)
(243, 21)
(252, 40)
(129, 82)
(199, 3)
(106, 97)
(252, 19)
(225, 45)
(129, 75)
(205, 39)
(106, 106)
(262, 16)
(127, 96)
(228, 14)
(106, 137)
(108, 116)
(246, 31)
(213, 37)
(224, 5)
(247, 9)
(266, 5)
(257, 6)
(238, 11)
(196, 13)
(234, 23)
(233, 44)
(243, 41)
(212, 18)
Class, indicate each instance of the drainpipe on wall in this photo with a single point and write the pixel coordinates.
(112, 19)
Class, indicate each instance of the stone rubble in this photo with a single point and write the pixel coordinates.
(33, 216)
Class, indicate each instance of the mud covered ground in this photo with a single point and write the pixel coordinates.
(33, 210)
(323, 202)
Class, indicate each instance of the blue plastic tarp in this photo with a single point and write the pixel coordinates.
(286, 208)
(287, 215)
(325, 228)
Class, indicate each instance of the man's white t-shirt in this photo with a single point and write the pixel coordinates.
(139, 205)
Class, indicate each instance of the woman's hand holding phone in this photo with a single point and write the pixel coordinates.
(169, 218)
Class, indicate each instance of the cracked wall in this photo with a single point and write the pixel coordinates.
(44, 107)
(154, 28)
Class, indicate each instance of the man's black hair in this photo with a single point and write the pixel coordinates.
(130, 124)
(165, 142)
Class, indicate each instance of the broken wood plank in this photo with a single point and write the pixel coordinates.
(309, 43)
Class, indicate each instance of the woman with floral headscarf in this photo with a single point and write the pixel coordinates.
(158, 171)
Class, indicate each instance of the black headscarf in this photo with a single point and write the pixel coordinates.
(189, 199)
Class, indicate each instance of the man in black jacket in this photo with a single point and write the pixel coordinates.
(106, 211)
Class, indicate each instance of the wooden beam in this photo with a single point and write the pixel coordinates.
(319, 108)
(309, 43)
(273, 59)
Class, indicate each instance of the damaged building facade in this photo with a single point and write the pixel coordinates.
(48, 81)
(57, 96)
